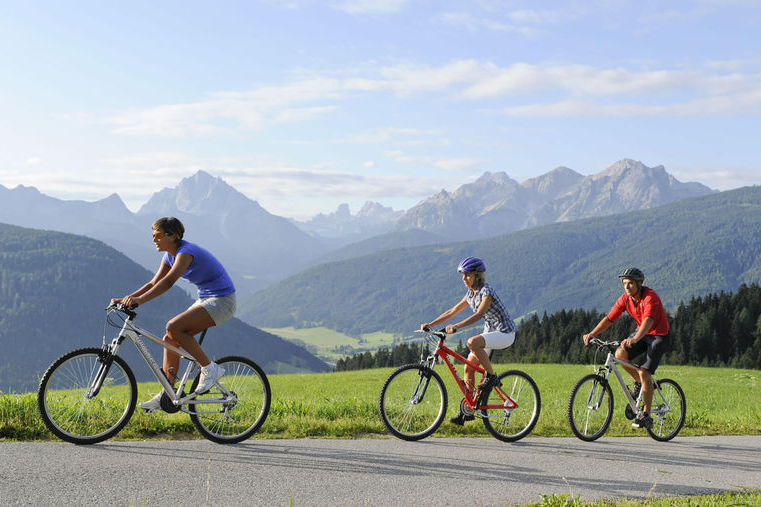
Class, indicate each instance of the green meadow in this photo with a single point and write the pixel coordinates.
(330, 345)
(345, 405)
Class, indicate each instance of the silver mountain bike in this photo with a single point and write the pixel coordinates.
(590, 407)
(88, 395)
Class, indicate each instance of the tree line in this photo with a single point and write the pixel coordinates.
(721, 329)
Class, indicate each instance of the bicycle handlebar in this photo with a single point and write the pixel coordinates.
(441, 333)
(601, 343)
(121, 307)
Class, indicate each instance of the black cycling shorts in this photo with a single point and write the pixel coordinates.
(654, 346)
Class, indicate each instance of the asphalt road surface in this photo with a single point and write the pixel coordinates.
(383, 471)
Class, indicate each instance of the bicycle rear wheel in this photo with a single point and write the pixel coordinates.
(512, 409)
(69, 410)
(667, 410)
(413, 402)
(590, 407)
(235, 418)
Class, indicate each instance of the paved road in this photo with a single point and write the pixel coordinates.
(386, 471)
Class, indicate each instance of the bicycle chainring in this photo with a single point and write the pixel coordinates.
(167, 405)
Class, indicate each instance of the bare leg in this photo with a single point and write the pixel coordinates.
(470, 374)
(639, 375)
(647, 389)
(180, 332)
(624, 356)
(476, 344)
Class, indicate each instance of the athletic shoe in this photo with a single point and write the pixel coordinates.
(152, 405)
(460, 419)
(209, 375)
(643, 420)
(491, 381)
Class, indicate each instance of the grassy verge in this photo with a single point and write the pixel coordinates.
(344, 405)
(750, 498)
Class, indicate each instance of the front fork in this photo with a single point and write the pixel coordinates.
(106, 359)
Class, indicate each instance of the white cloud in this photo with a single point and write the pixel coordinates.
(471, 23)
(398, 136)
(740, 104)
(371, 6)
(226, 113)
(454, 164)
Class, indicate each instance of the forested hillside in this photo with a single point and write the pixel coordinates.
(716, 330)
(688, 248)
(54, 286)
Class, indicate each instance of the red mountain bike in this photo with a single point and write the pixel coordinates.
(413, 400)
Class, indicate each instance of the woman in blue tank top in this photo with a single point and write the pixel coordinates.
(215, 304)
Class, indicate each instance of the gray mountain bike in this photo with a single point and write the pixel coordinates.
(590, 407)
(88, 395)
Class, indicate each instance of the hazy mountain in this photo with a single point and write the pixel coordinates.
(688, 248)
(626, 185)
(496, 204)
(108, 219)
(259, 248)
(341, 227)
(255, 245)
(54, 286)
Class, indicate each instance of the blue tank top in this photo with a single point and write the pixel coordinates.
(205, 271)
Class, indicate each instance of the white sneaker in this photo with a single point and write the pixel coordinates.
(209, 375)
(152, 405)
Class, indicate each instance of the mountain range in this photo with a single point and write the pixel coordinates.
(692, 247)
(496, 204)
(260, 249)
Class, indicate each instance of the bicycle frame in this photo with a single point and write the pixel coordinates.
(611, 365)
(445, 353)
(135, 334)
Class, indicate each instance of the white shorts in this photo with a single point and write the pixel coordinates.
(220, 308)
(498, 340)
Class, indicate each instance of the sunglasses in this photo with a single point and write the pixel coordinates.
(160, 235)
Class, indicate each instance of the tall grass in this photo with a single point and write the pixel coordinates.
(720, 401)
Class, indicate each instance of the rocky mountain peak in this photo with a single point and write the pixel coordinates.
(199, 194)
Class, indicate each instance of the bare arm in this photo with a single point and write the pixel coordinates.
(482, 309)
(601, 326)
(642, 330)
(161, 282)
(447, 314)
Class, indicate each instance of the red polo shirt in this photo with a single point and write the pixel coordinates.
(649, 306)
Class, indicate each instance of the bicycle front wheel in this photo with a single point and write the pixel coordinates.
(590, 407)
(413, 402)
(512, 410)
(70, 408)
(231, 418)
(667, 410)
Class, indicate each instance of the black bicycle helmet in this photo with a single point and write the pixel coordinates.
(633, 273)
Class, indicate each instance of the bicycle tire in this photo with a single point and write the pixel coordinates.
(590, 407)
(233, 423)
(402, 411)
(510, 425)
(667, 425)
(67, 411)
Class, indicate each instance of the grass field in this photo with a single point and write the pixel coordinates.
(330, 345)
(720, 401)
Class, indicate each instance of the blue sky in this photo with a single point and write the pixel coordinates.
(303, 105)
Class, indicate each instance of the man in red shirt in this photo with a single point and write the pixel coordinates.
(651, 337)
